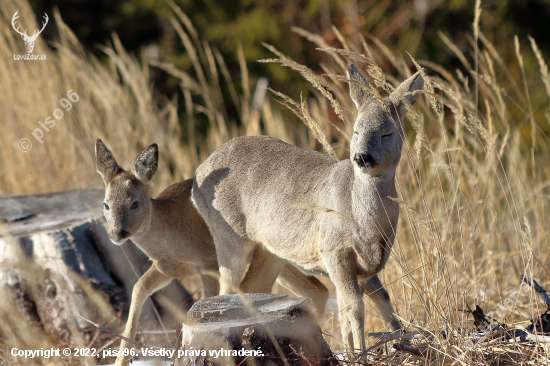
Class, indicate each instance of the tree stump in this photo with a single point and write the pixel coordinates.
(54, 249)
(268, 330)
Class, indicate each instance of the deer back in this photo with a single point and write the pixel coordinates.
(284, 197)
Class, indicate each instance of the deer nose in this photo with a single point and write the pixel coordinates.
(121, 234)
(364, 160)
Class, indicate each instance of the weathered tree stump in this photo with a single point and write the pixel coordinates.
(60, 234)
(268, 330)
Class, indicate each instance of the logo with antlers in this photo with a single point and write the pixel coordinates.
(29, 41)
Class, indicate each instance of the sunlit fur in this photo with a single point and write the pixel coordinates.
(322, 214)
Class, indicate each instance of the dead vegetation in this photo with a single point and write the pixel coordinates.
(473, 182)
(487, 342)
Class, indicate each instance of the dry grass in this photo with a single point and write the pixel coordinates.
(473, 194)
(117, 104)
(473, 181)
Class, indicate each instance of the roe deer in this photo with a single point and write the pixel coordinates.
(174, 236)
(307, 208)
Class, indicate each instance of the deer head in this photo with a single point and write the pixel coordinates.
(29, 41)
(127, 205)
(377, 140)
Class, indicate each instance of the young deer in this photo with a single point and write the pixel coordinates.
(307, 208)
(173, 235)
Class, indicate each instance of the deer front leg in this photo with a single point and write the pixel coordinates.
(341, 267)
(373, 288)
(150, 282)
(233, 253)
(210, 279)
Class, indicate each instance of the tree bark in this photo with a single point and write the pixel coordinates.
(279, 328)
(55, 255)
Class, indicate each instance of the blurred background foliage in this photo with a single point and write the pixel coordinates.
(474, 185)
(405, 26)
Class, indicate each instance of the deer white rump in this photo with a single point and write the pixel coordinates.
(312, 210)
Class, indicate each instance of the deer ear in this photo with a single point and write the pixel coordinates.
(146, 163)
(105, 162)
(358, 93)
(403, 94)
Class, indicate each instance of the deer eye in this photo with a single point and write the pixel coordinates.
(106, 206)
(134, 205)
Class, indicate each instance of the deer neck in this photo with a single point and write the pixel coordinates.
(370, 197)
(383, 183)
(150, 234)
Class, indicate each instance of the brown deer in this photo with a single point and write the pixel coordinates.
(170, 231)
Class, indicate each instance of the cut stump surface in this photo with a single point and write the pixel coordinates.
(265, 329)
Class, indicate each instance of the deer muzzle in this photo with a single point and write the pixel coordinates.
(364, 161)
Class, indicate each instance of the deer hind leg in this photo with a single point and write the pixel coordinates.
(262, 272)
(301, 284)
(378, 294)
(209, 279)
(150, 282)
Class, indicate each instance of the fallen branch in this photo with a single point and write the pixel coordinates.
(538, 288)
(386, 337)
(428, 352)
(157, 332)
(489, 340)
(534, 338)
(405, 336)
(396, 335)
